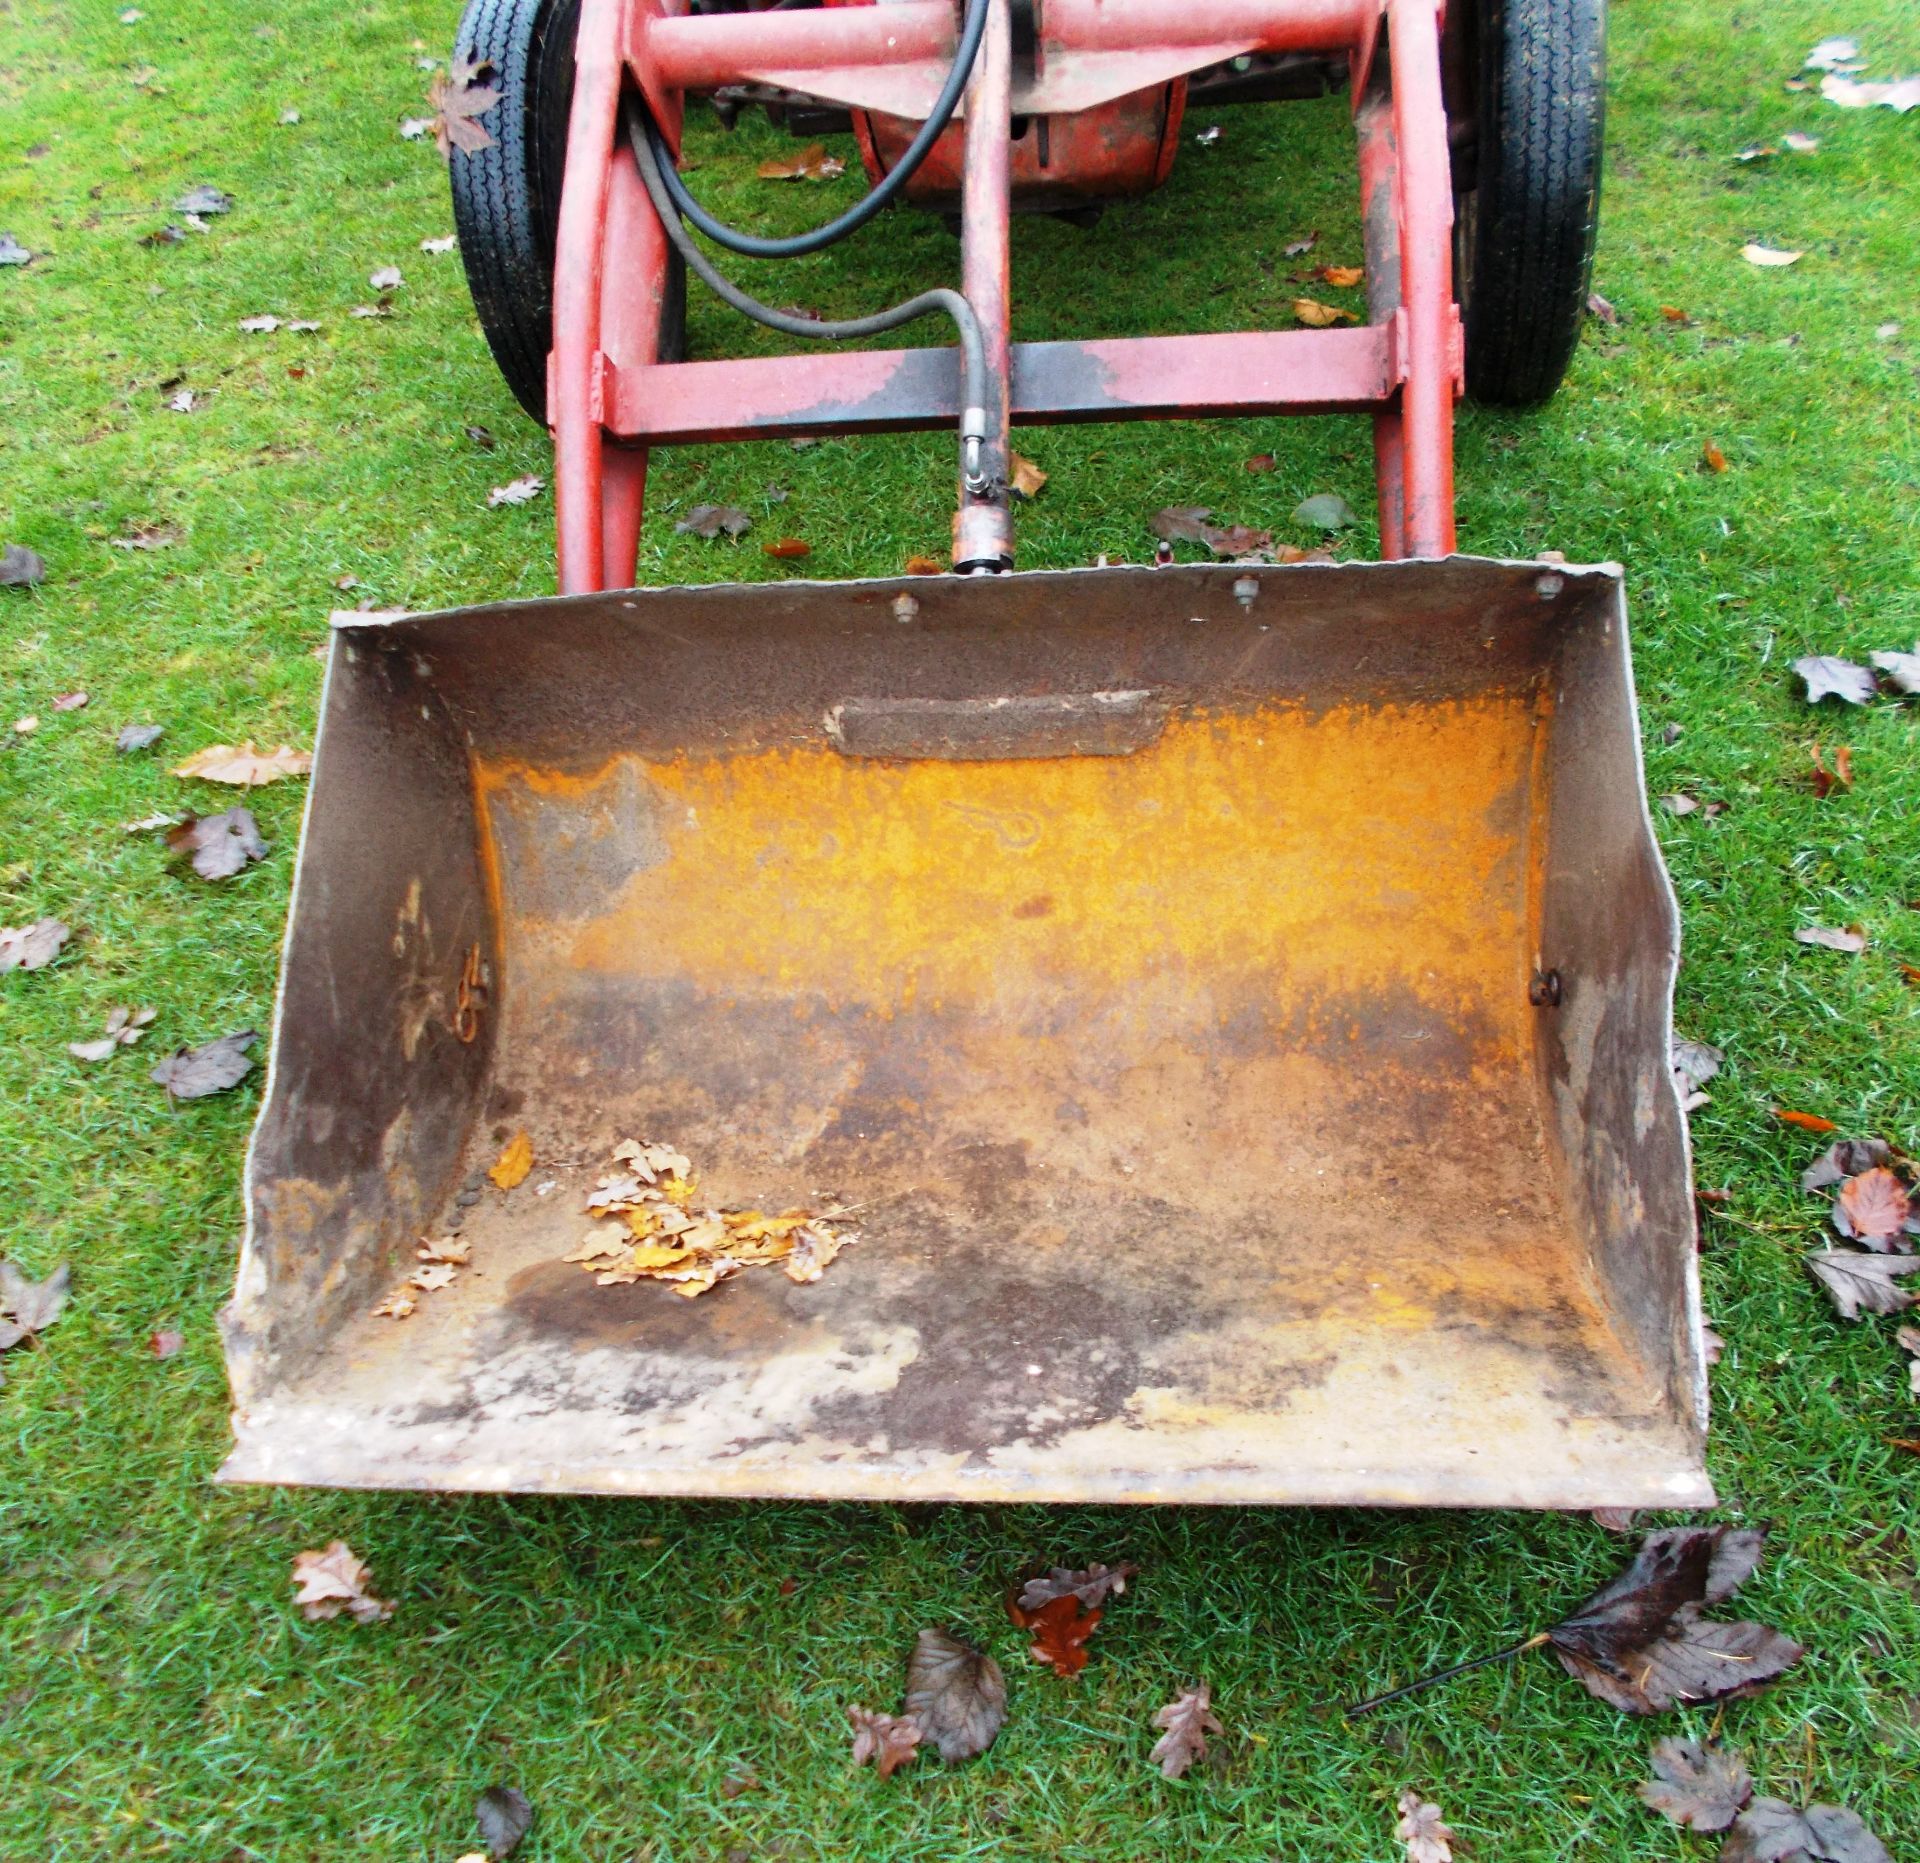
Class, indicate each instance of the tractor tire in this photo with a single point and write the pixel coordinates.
(1524, 231)
(506, 197)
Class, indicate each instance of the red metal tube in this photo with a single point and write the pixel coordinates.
(1426, 273)
(983, 526)
(573, 370)
(1272, 25)
(698, 51)
(1380, 220)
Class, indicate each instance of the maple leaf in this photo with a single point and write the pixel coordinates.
(1640, 1642)
(1696, 1784)
(1091, 1587)
(712, 520)
(213, 1067)
(1060, 1632)
(327, 1583)
(433, 1277)
(511, 1167)
(398, 1305)
(1858, 1283)
(1771, 1831)
(32, 1306)
(956, 1695)
(1188, 1719)
(1024, 478)
(449, 1249)
(1902, 668)
(1827, 675)
(889, 1740)
(244, 766)
(218, 845)
(125, 1026)
(30, 947)
(459, 100)
(1873, 1209)
(814, 1247)
(505, 1816)
(1426, 1838)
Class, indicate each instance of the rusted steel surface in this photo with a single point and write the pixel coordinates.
(1205, 1143)
(899, 390)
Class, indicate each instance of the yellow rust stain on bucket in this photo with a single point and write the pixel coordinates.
(1331, 855)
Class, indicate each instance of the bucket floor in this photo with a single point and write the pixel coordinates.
(1011, 1328)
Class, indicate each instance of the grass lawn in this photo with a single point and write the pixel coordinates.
(619, 1661)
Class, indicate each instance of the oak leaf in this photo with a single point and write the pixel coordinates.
(1091, 1587)
(889, 1740)
(213, 1067)
(245, 766)
(1426, 1838)
(330, 1582)
(219, 846)
(30, 947)
(1188, 1719)
(1060, 1632)
(511, 1167)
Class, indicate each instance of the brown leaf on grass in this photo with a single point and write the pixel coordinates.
(459, 100)
(1807, 1122)
(1712, 459)
(433, 1277)
(398, 1305)
(70, 702)
(124, 1027)
(1903, 669)
(1342, 277)
(518, 491)
(1600, 307)
(1874, 1210)
(213, 1067)
(1908, 1340)
(712, 520)
(1318, 316)
(1771, 1831)
(511, 1167)
(1756, 254)
(244, 766)
(787, 548)
(1190, 524)
(956, 1695)
(925, 566)
(1298, 248)
(385, 278)
(1261, 462)
(330, 1582)
(505, 1815)
(32, 1306)
(1641, 1643)
(1859, 1283)
(1843, 1159)
(1060, 1632)
(812, 163)
(1188, 1719)
(1426, 1838)
(1827, 675)
(447, 1249)
(219, 846)
(21, 568)
(147, 537)
(1841, 775)
(1697, 1784)
(165, 1343)
(1025, 479)
(31, 947)
(1091, 1587)
(136, 737)
(889, 1740)
(1694, 1064)
(1848, 938)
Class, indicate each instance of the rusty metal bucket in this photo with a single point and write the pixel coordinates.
(1236, 1003)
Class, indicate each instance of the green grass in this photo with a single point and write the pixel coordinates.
(158, 1697)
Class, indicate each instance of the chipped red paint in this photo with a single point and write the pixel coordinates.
(609, 399)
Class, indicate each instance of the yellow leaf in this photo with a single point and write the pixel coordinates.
(513, 1164)
(244, 764)
(1318, 316)
(652, 1255)
(642, 1222)
(594, 1248)
(1027, 478)
(677, 1189)
(1343, 275)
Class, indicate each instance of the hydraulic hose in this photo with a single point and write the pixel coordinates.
(753, 246)
(973, 353)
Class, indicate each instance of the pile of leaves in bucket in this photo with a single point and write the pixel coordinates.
(663, 1235)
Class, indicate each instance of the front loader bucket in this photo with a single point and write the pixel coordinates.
(1231, 1006)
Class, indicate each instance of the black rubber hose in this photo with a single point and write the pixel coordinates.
(754, 247)
(973, 349)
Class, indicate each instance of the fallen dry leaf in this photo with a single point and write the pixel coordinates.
(32, 1306)
(1831, 54)
(147, 537)
(1712, 459)
(1698, 1784)
(25, 727)
(1859, 1283)
(328, 1583)
(1600, 307)
(956, 1695)
(21, 568)
(812, 163)
(510, 1169)
(1426, 1838)
(219, 846)
(1899, 95)
(125, 1026)
(1825, 781)
(398, 1305)
(1828, 676)
(1908, 1340)
(447, 1248)
(213, 1067)
(1807, 1122)
(1261, 462)
(1903, 669)
(12, 252)
(1874, 1210)
(445, 243)
(712, 520)
(244, 766)
(787, 548)
(258, 325)
(1641, 1643)
(889, 1740)
(459, 100)
(1849, 938)
(1025, 478)
(925, 566)
(505, 1815)
(517, 491)
(432, 1278)
(385, 278)
(1756, 254)
(31, 947)
(1318, 316)
(1843, 1159)
(1190, 524)
(71, 702)
(1060, 1631)
(1772, 1831)
(1324, 511)
(1297, 248)
(1340, 276)
(1694, 1064)
(165, 1343)
(1188, 1719)
(1091, 1587)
